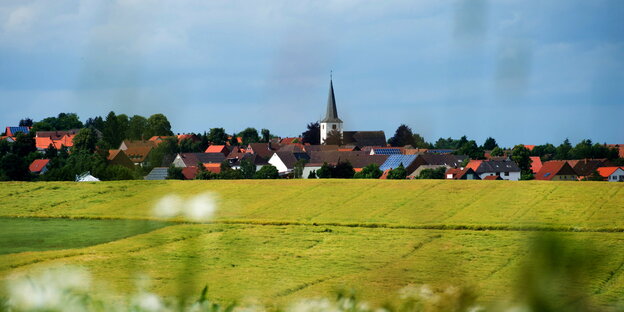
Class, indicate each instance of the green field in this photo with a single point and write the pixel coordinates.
(275, 241)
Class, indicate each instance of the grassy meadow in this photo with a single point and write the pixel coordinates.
(272, 242)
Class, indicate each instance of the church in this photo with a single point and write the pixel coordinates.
(332, 125)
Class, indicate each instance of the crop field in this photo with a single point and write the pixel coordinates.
(273, 242)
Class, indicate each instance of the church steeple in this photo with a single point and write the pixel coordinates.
(332, 113)
(331, 122)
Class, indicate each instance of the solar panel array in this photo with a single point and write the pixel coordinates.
(387, 151)
(394, 161)
(15, 130)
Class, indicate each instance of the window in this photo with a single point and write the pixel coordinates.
(507, 173)
(334, 127)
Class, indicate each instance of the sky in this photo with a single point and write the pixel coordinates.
(520, 71)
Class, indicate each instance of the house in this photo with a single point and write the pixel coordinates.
(191, 137)
(157, 139)
(139, 155)
(58, 139)
(12, 131)
(264, 150)
(183, 160)
(612, 174)
(119, 158)
(323, 148)
(357, 159)
(285, 161)
(619, 147)
(364, 138)
(189, 173)
(395, 160)
(433, 161)
(507, 169)
(39, 166)
(556, 170)
(223, 149)
(462, 174)
(125, 144)
(536, 164)
(586, 167)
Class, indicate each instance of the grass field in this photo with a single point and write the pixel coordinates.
(276, 241)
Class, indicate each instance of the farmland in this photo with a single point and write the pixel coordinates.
(276, 241)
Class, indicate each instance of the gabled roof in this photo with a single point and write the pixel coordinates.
(44, 142)
(492, 177)
(332, 113)
(552, 168)
(189, 173)
(138, 154)
(290, 159)
(607, 171)
(364, 138)
(387, 151)
(496, 166)
(137, 143)
(38, 164)
(192, 159)
(320, 148)
(394, 161)
(264, 150)
(536, 164)
(56, 135)
(358, 159)
(289, 140)
(12, 131)
(217, 149)
(585, 167)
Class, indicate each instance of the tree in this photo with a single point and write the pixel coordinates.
(158, 125)
(249, 135)
(137, 128)
(266, 135)
(398, 173)
(402, 136)
(437, 173)
(227, 173)
(312, 174)
(522, 156)
(234, 139)
(64, 121)
(189, 146)
(497, 151)
(334, 137)
(471, 149)
(267, 172)
(163, 154)
(26, 122)
(85, 140)
(217, 136)
(51, 151)
(248, 169)
(419, 141)
(174, 173)
(371, 171)
(343, 170)
(489, 144)
(112, 132)
(324, 172)
(24, 144)
(97, 123)
(298, 168)
(14, 167)
(203, 174)
(313, 134)
(563, 151)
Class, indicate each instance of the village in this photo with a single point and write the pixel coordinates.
(328, 151)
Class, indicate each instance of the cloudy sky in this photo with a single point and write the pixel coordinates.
(521, 71)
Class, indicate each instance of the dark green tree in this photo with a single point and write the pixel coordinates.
(471, 149)
(371, 171)
(51, 152)
(563, 151)
(111, 133)
(419, 141)
(489, 144)
(248, 169)
(437, 173)
(522, 156)
(24, 144)
(324, 172)
(343, 170)
(158, 125)
(227, 173)
(266, 135)
(217, 136)
(249, 135)
(312, 174)
(334, 137)
(398, 173)
(174, 173)
(402, 136)
(267, 172)
(298, 168)
(26, 122)
(85, 140)
(137, 128)
(313, 134)
(497, 151)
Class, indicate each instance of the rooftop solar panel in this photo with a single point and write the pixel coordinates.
(394, 161)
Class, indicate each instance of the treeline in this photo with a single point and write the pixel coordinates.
(462, 146)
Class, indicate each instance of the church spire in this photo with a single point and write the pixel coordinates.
(332, 112)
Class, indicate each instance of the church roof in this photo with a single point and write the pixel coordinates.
(332, 112)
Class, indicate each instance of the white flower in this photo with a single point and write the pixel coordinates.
(148, 302)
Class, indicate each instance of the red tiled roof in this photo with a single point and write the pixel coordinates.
(607, 171)
(474, 164)
(189, 173)
(216, 149)
(536, 164)
(290, 140)
(453, 172)
(552, 168)
(44, 141)
(213, 167)
(530, 147)
(38, 164)
(493, 177)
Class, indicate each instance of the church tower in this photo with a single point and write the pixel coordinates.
(331, 121)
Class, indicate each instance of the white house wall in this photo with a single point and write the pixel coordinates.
(513, 176)
(278, 163)
(307, 170)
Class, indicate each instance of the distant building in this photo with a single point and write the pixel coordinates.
(332, 124)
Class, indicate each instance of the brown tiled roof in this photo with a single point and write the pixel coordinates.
(585, 167)
(358, 159)
(364, 138)
(192, 159)
(138, 154)
(493, 177)
(552, 168)
(264, 150)
(189, 173)
(138, 143)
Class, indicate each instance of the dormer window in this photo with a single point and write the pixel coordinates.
(334, 127)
